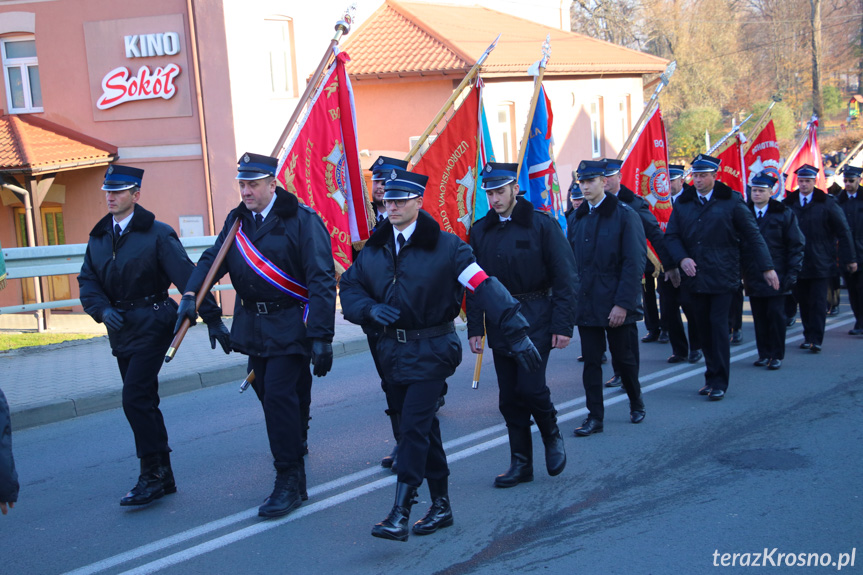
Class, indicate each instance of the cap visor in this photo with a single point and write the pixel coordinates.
(252, 176)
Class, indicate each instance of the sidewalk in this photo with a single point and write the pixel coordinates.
(61, 381)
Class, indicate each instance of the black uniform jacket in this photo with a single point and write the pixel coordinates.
(714, 235)
(823, 223)
(853, 210)
(528, 255)
(651, 227)
(610, 254)
(294, 238)
(785, 241)
(422, 282)
(8, 475)
(147, 259)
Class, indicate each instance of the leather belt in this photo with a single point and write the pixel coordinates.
(140, 302)
(406, 335)
(532, 296)
(268, 307)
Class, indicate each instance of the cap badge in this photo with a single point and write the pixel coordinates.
(393, 175)
(488, 168)
(247, 159)
(380, 161)
(110, 169)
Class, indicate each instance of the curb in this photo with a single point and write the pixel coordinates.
(35, 414)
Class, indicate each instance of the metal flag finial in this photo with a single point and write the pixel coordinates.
(344, 25)
(546, 50)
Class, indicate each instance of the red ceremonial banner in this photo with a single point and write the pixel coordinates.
(645, 170)
(450, 164)
(731, 167)
(763, 156)
(809, 153)
(321, 164)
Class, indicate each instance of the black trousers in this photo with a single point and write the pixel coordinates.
(420, 449)
(768, 315)
(790, 305)
(651, 311)
(623, 345)
(712, 312)
(522, 393)
(811, 293)
(854, 283)
(140, 373)
(373, 348)
(735, 312)
(283, 384)
(671, 300)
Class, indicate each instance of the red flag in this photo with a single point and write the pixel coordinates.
(645, 170)
(731, 171)
(763, 156)
(321, 164)
(450, 164)
(808, 154)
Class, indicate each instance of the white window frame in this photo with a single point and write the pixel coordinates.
(595, 113)
(287, 50)
(23, 64)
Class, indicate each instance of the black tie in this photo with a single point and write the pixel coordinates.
(760, 215)
(401, 241)
(805, 201)
(380, 218)
(259, 221)
(117, 232)
(703, 200)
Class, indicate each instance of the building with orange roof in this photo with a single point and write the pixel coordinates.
(407, 58)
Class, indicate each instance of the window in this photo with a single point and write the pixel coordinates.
(505, 129)
(21, 74)
(623, 111)
(283, 65)
(596, 127)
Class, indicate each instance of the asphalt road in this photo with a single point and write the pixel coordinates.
(776, 465)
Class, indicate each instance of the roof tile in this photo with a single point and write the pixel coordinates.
(31, 144)
(414, 38)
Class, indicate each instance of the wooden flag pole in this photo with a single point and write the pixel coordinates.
(799, 145)
(448, 104)
(537, 87)
(648, 108)
(343, 26)
(849, 156)
(762, 121)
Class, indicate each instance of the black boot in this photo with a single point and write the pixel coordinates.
(395, 422)
(301, 484)
(286, 494)
(555, 454)
(439, 514)
(149, 487)
(521, 458)
(168, 483)
(395, 526)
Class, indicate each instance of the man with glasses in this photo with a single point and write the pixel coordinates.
(410, 279)
(850, 199)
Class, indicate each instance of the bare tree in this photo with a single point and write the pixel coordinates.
(817, 96)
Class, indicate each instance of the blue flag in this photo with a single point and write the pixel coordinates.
(538, 176)
(486, 155)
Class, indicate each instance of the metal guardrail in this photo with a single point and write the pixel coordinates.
(45, 261)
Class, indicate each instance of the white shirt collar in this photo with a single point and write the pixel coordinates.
(761, 211)
(805, 199)
(599, 203)
(266, 210)
(675, 196)
(124, 222)
(706, 196)
(407, 233)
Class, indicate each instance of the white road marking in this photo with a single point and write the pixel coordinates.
(306, 510)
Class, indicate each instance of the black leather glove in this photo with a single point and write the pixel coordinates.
(218, 332)
(526, 354)
(187, 309)
(384, 314)
(322, 356)
(113, 318)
